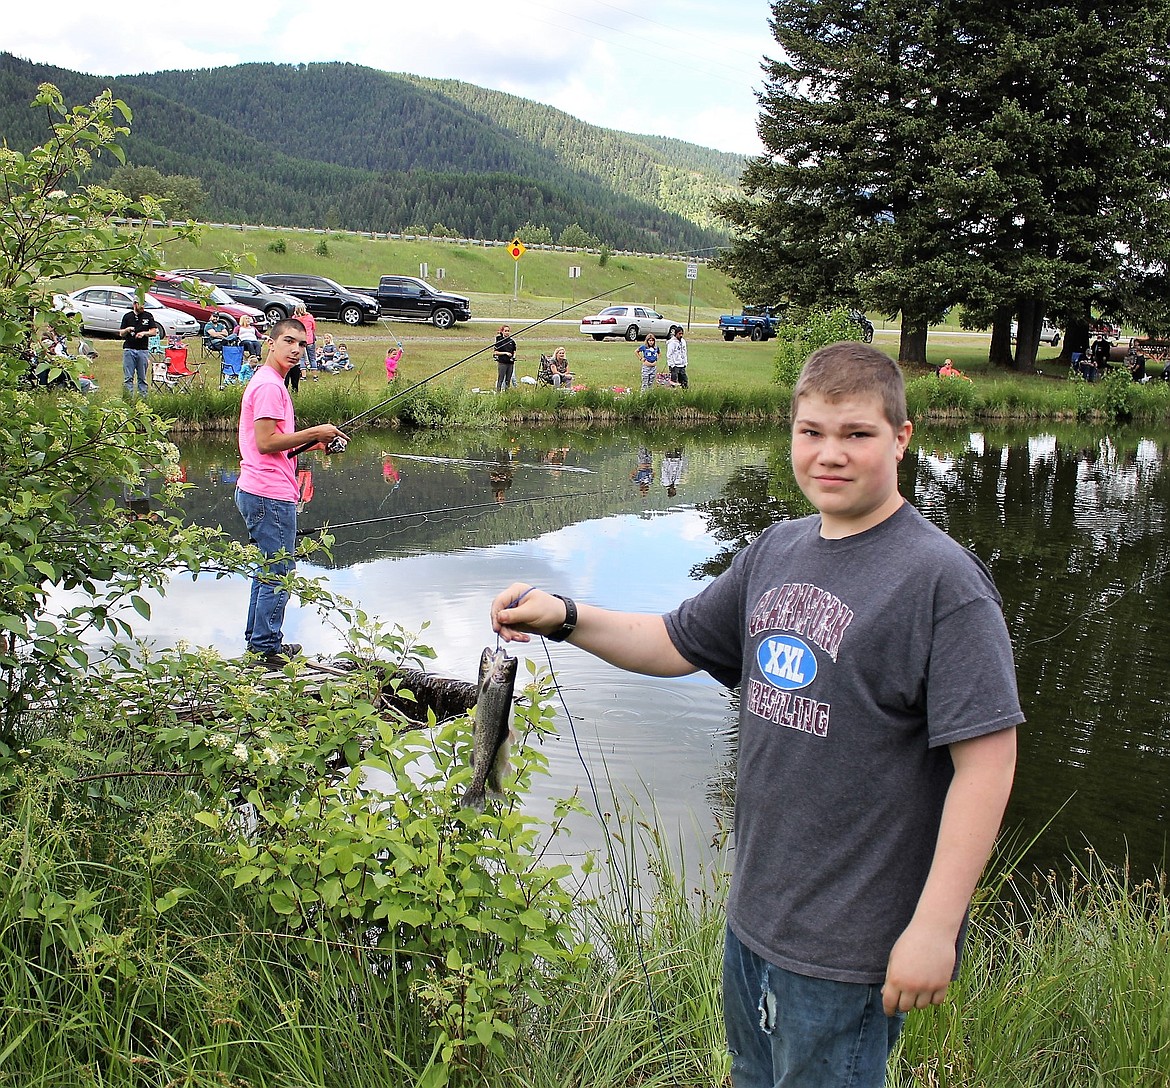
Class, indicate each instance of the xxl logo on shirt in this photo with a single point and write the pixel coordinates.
(787, 662)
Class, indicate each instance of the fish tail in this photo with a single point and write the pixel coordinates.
(474, 797)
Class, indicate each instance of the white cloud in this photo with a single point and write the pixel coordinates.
(681, 69)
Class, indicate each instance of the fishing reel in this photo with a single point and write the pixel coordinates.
(336, 445)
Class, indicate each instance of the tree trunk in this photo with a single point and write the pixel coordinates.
(1000, 352)
(912, 343)
(1029, 317)
(1076, 338)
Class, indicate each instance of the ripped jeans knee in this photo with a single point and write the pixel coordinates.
(786, 1030)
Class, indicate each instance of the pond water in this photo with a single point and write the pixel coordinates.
(1071, 522)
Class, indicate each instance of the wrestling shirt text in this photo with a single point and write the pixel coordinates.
(788, 709)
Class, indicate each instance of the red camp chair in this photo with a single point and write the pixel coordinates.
(177, 369)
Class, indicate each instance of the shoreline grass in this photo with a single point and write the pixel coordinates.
(1063, 982)
(728, 382)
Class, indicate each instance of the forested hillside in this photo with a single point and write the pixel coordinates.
(342, 145)
(675, 175)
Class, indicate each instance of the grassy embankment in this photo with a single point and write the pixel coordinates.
(1064, 982)
(728, 380)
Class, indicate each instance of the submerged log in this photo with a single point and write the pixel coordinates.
(446, 697)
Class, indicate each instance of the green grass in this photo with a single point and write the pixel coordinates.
(728, 381)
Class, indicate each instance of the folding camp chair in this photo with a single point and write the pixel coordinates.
(158, 375)
(177, 369)
(233, 360)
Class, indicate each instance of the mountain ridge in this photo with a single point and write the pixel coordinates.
(341, 144)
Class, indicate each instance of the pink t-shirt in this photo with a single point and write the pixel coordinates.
(269, 475)
(310, 323)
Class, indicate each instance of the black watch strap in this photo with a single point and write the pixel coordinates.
(570, 624)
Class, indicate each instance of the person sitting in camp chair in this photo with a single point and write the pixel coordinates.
(554, 370)
(219, 332)
(159, 378)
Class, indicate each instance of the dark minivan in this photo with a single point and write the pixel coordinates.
(247, 289)
(325, 298)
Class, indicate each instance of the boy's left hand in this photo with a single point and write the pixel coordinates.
(920, 967)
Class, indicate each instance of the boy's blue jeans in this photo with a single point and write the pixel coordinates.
(272, 526)
(786, 1030)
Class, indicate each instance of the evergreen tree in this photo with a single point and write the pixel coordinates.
(922, 155)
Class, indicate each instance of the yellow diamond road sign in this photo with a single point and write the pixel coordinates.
(517, 249)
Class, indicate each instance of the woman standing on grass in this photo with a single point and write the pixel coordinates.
(648, 353)
(504, 351)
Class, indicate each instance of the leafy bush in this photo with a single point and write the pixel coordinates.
(135, 835)
(932, 394)
(794, 343)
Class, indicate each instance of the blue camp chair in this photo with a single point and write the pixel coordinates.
(233, 361)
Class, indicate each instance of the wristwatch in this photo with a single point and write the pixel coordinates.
(570, 624)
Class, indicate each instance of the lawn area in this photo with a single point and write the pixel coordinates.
(713, 362)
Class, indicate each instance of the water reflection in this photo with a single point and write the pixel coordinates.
(1071, 523)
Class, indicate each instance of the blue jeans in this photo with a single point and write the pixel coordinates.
(134, 364)
(786, 1030)
(272, 527)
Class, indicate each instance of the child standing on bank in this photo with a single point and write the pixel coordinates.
(878, 709)
(647, 351)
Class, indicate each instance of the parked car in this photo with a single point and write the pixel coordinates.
(1049, 333)
(326, 298)
(102, 308)
(632, 322)
(277, 305)
(416, 300)
(864, 325)
(755, 322)
(183, 293)
(1105, 326)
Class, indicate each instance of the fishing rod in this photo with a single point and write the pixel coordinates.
(451, 510)
(438, 373)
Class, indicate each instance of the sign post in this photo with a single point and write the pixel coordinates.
(517, 248)
(692, 275)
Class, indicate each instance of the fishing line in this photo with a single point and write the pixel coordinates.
(626, 888)
(459, 362)
(614, 868)
(431, 460)
(329, 527)
(1098, 608)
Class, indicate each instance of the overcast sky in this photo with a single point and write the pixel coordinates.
(684, 68)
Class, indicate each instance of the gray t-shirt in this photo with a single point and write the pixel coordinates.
(858, 661)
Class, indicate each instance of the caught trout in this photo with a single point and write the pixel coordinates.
(493, 727)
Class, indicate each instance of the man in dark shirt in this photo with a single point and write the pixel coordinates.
(137, 328)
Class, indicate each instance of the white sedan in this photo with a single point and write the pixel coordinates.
(1049, 333)
(102, 308)
(632, 322)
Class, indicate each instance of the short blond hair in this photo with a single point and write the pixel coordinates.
(851, 369)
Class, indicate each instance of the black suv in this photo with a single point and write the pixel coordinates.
(249, 290)
(326, 299)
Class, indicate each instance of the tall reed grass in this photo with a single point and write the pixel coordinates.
(1065, 980)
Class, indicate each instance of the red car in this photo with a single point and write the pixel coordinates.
(1104, 326)
(203, 304)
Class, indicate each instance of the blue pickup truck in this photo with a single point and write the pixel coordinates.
(756, 323)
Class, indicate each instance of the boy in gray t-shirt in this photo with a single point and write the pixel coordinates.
(878, 709)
